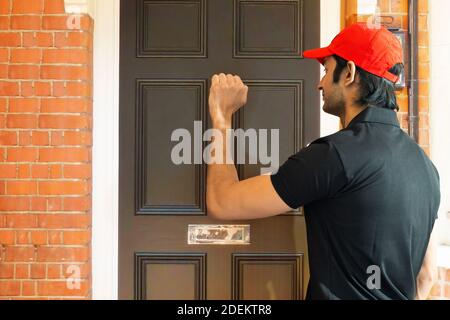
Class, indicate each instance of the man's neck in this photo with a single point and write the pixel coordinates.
(350, 113)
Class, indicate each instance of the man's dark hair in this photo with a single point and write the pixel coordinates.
(374, 90)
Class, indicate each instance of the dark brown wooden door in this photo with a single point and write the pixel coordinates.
(169, 51)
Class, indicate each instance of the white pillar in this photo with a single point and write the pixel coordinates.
(439, 29)
(105, 151)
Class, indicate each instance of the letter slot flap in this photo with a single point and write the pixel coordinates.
(219, 234)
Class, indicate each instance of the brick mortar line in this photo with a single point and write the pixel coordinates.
(89, 244)
(43, 179)
(49, 97)
(45, 14)
(52, 80)
(59, 213)
(49, 196)
(53, 212)
(50, 163)
(22, 31)
(47, 64)
(52, 31)
(82, 279)
(42, 99)
(46, 147)
(50, 298)
(28, 80)
(38, 161)
(86, 146)
(45, 97)
(39, 213)
(50, 213)
(41, 47)
(56, 80)
(47, 114)
(62, 230)
(52, 263)
(41, 130)
(48, 81)
(47, 246)
(48, 263)
(39, 64)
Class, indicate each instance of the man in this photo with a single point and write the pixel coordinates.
(369, 192)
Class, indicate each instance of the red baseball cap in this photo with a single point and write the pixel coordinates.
(374, 49)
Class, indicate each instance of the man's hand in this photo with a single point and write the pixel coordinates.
(227, 95)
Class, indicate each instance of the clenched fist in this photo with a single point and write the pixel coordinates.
(227, 95)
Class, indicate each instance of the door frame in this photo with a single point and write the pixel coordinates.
(105, 151)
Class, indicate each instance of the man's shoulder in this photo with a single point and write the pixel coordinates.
(324, 148)
(353, 148)
(338, 138)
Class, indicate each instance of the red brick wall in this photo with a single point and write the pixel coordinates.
(45, 151)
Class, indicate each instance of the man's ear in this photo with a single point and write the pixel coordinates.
(350, 73)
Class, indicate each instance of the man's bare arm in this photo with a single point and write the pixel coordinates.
(248, 199)
(428, 273)
(228, 198)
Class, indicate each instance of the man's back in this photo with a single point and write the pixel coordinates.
(370, 208)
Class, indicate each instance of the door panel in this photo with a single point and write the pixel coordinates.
(155, 276)
(162, 185)
(171, 28)
(267, 276)
(268, 29)
(169, 51)
(273, 105)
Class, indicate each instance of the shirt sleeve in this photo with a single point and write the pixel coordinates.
(314, 173)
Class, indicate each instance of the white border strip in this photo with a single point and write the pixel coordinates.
(330, 26)
(439, 28)
(105, 153)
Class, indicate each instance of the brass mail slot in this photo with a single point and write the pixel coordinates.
(219, 234)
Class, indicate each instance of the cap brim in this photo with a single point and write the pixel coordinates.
(320, 54)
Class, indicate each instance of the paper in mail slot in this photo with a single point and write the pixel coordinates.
(219, 234)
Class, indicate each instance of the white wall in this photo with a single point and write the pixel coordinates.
(439, 25)
(330, 26)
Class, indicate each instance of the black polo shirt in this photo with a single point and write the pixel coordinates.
(370, 196)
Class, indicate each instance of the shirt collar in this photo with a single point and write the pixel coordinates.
(376, 115)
